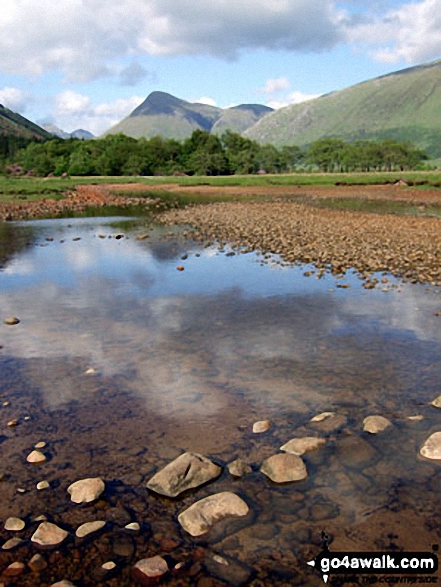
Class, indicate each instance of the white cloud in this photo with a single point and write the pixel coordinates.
(84, 39)
(206, 100)
(14, 99)
(274, 85)
(73, 110)
(291, 98)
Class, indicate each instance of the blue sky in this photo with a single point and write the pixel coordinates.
(89, 63)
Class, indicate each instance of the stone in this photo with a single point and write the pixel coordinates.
(11, 321)
(239, 468)
(12, 423)
(86, 490)
(202, 515)
(149, 570)
(43, 485)
(437, 402)
(40, 445)
(63, 583)
(329, 421)
(233, 572)
(15, 569)
(298, 446)
(36, 457)
(261, 426)
(186, 472)
(37, 563)
(14, 524)
(48, 534)
(356, 452)
(323, 416)
(432, 447)
(13, 543)
(133, 527)
(375, 424)
(109, 566)
(417, 418)
(284, 468)
(89, 528)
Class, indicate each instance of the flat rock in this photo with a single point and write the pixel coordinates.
(436, 402)
(202, 515)
(133, 527)
(375, 424)
(186, 472)
(323, 416)
(298, 446)
(43, 485)
(13, 543)
(329, 421)
(261, 426)
(14, 524)
(36, 457)
(11, 321)
(48, 534)
(239, 468)
(149, 570)
(86, 490)
(284, 468)
(89, 528)
(432, 447)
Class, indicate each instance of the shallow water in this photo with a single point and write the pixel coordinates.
(188, 360)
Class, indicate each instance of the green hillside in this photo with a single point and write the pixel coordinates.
(405, 105)
(12, 124)
(170, 117)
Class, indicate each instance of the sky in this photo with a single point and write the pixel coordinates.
(88, 63)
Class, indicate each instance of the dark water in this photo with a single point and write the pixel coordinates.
(188, 360)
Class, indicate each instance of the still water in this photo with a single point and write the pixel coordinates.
(121, 363)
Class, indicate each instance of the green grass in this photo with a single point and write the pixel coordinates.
(377, 206)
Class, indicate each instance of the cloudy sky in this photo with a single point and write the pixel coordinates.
(88, 63)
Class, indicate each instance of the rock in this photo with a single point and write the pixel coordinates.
(329, 421)
(40, 445)
(36, 457)
(437, 402)
(43, 485)
(202, 515)
(109, 566)
(298, 446)
(14, 524)
(180, 268)
(239, 468)
(13, 543)
(356, 452)
(375, 424)
(86, 490)
(48, 534)
(432, 447)
(231, 571)
(89, 371)
(284, 468)
(12, 321)
(89, 528)
(323, 416)
(63, 583)
(186, 472)
(149, 570)
(13, 423)
(416, 418)
(15, 569)
(133, 527)
(261, 426)
(37, 563)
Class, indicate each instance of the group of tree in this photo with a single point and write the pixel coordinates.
(204, 154)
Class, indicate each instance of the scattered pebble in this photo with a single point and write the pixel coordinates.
(48, 534)
(133, 526)
(180, 268)
(239, 468)
(14, 524)
(109, 566)
(150, 568)
(15, 569)
(284, 468)
(432, 447)
(375, 424)
(86, 490)
(437, 402)
(261, 426)
(89, 528)
(323, 416)
(299, 446)
(43, 485)
(12, 423)
(11, 321)
(40, 445)
(13, 543)
(36, 457)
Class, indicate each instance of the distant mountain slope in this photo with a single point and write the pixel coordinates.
(14, 124)
(170, 117)
(76, 134)
(405, 105)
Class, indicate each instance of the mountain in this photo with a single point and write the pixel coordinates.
(76, 134)
(14, 124)
(405, 105)
(170, 117)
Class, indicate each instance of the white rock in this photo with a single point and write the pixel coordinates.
(416, 418)
(43, 485)
(48, 534)
(284, 468)
(133, 526)
(109, 566)
(89, 528)
(261, 426)
(375, 424)
(40, 445)
(432, 447)
(322, 416)
(12, 543)
(202, 515)
(86, 490)
(150, 568)
(36, 457)
(63, 583)
(298, 446)
(14, 524)
(437, 402)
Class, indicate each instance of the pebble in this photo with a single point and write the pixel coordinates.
(43, 485)
(322, 416)
(239, 468)
(375, 424)
(133, 526)
(149, 570)
(15, 569)
(261, 426)
(180, 268)
(48, 534)
(40, 445)
(432, 447)
(11, 321)
(284, 468)
(63, 583)
(36, 457)
(89, 528)
(416, 418)
(12, 543)
(437, 402)
(109, 566)
(298, 446)
(13, 423)
(14, 524)
(86, 490)
(37, 563)
(90, 371)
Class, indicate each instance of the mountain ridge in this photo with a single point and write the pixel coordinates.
(13, 124)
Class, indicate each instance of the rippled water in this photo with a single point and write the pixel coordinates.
(188, 360)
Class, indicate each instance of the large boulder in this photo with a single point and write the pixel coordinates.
(284, 468)
(186, 472)
(202, 515)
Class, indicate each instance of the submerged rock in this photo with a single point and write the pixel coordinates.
(298, 446)
(37, 563)
(186, 472)
(436, 402)
(375, 424)
(202, 515)
(13, 543)
(432, 447)
(86, 490)
(149, 570)
(36, 457)
(48, 534)
(239, 468)
(284, 468)
(261, 426)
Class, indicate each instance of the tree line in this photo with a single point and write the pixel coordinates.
(202, 154)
